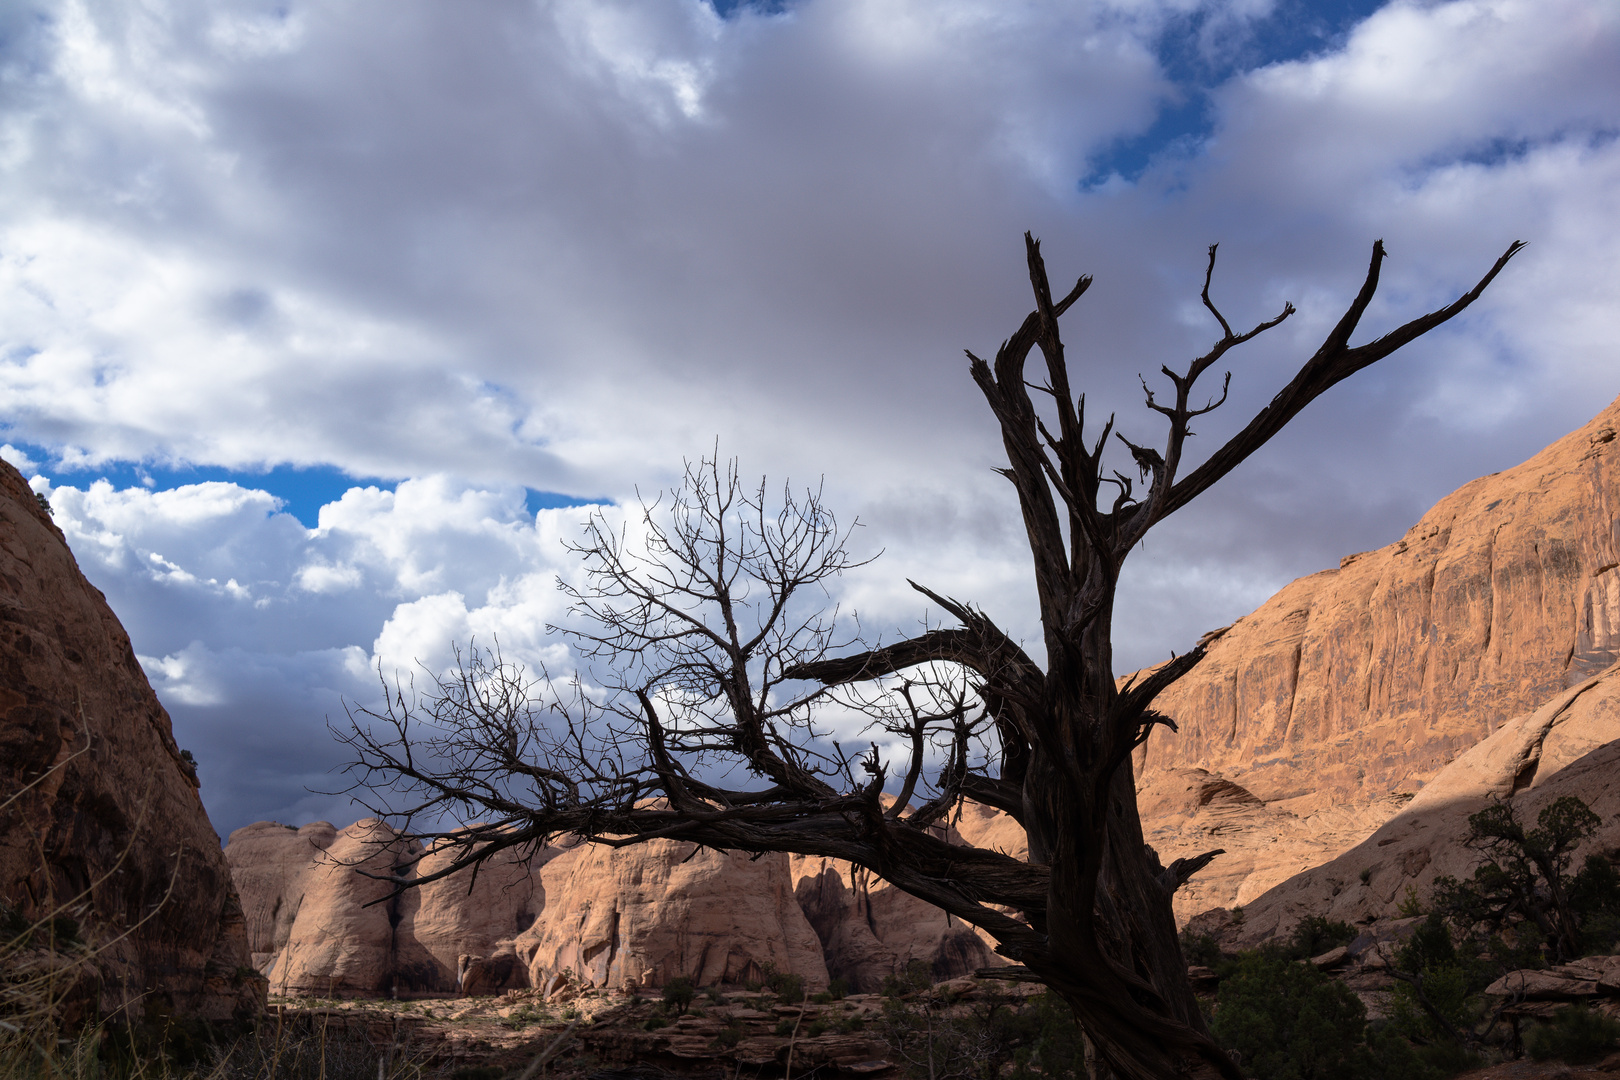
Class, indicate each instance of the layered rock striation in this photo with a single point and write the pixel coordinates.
(101, 816)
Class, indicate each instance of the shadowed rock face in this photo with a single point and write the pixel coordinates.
(1313, 720)
(113, 806)
(870, 930)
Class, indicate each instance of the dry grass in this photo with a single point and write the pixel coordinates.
(50, 1028)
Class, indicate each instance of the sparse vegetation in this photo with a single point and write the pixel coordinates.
(679, 994)
(788, 987)
(1525, 885)
(1576, 1035)
(1316, 935)
(1290, 1021)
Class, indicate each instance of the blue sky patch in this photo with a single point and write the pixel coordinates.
(536, 501)
(302, 491)
(1198, 53)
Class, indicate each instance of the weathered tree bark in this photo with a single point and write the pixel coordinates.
(1093, 902)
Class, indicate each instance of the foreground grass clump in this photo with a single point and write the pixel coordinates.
(293, 1050)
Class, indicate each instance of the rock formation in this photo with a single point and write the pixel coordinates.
(1314, 719)
(1569, 746)
(269, 863)
(564, 916)
(101, 811)
(342, 941)
(870, 930)
(463, 927)
(638, 916)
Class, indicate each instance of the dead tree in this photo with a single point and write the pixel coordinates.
(717, 661)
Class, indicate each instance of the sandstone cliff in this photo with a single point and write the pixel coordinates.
(1568, 746)
(1312, 720)
(565, 916)
(102, 812)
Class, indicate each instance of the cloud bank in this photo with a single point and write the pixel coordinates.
(470, 254)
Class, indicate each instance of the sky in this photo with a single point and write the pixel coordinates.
(322, 325)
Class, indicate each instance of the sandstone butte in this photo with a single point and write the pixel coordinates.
(101, 816)
(1314, 720)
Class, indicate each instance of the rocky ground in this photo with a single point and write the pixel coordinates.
(602, 1033)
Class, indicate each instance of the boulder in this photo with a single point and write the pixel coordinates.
(1314, 719)
(101, 811)
(636, 917)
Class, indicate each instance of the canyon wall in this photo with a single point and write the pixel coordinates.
(1570, 745)
(1312, 720)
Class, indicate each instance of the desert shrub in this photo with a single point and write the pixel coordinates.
(716, 996)
(1316, 935)
(786, 1025)
(916, 977)
(788, 987)
(478, 1072)
(679, 993)
(1595, 897)
(729, 1036)
(1437, 1000)
(1576, 1035)
(1200, 949)
(1292, 1022)
(653, 1023)
(996, 1036)
(839, 989)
